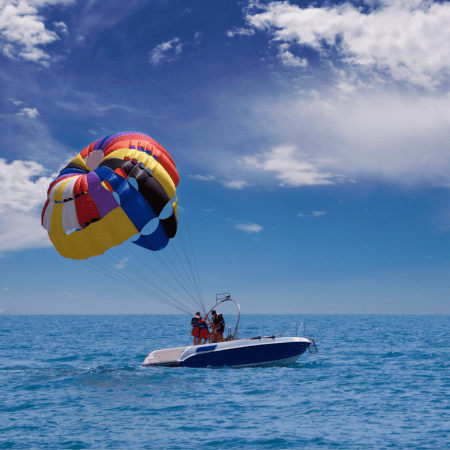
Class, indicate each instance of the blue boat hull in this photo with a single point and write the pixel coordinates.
(250, 356)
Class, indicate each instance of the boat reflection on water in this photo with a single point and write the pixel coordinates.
(235, 352)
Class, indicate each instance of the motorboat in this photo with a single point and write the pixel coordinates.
(235, 352)
(264, 351)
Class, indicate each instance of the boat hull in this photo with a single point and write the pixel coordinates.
(263, 352)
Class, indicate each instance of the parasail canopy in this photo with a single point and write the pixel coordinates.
(108, 193)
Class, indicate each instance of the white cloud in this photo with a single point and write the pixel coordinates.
(8, 51)
(23, 32)
(22, 185)
(122, 263)
(197, 36)
(6, 289)
(291, 167)
(233, 184)
(288, 59)
(407, 40)
(202, 177)
(23, 190)
(21, 231)
(305, 132)
(71, 295)
(249, 227)
(61, 26)
(313, 214)
(28, 112)
(80, 101)
(240, 32)
(36, 140)
(237, 184)
(166, 52)
(329, 136)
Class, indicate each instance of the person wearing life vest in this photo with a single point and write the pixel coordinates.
(204, 332)
(195, 322)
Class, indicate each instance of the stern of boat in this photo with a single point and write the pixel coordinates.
(168, 357)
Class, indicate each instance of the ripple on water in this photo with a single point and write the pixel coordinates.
(393, 355)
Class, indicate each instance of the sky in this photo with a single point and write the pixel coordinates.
(310, 138)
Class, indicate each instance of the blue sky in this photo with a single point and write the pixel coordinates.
(310, 137)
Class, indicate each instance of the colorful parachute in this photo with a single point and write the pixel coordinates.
(108, 193)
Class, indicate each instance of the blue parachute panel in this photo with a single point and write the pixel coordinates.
(131, 201)
(154, 241)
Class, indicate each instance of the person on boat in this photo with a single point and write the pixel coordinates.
(195, 322)
(218, 326)
(214, 326)
(204, 332)
(221, 328)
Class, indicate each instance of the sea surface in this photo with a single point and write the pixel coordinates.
(76, 382)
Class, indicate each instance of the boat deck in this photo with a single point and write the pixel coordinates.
(167, 357)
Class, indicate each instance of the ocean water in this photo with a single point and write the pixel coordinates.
(76, 382)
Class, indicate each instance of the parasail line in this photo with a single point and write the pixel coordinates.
(182, 266)
(156, 273)
(192, 246)
(183, 247)
(150, 281)
(144, 288)
(155, 296)
(164, 264)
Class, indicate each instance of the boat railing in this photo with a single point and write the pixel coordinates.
(225, 297)
(297, 329)
(313, 347)
(229, 335)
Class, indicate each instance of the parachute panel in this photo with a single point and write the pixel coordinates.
(114, 229)
(154, 241)
(149, 162)
(68, 190)
(56, 219)
(80, 161)
(69, 217)
(103, 198)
